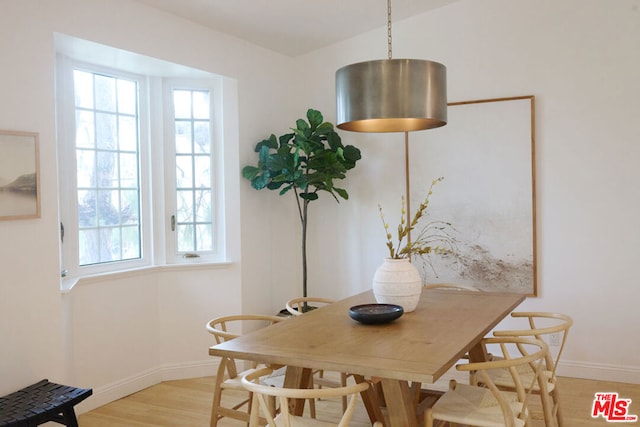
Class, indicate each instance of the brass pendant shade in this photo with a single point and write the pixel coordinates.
(391, 95)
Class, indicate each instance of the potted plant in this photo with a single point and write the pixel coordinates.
(397, 281)
(305, 162)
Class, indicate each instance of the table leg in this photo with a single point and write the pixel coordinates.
(478, 353)
(297, 378)
(371, 401)
(399, 399)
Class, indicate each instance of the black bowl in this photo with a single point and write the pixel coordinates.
(375, 314)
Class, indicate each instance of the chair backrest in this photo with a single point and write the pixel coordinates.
(299, 306)
(541, 324)
(229, 327)
(519, 355)
(454, 286)
(261, 406)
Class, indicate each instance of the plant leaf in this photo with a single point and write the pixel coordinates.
(250, 172)
(301, 125)
(284, 139)
(343, 193)
(260, 181)
(315, 118)
(325, 128)
(274, 185)
(286, 189)
(351, 156)
(263, 155)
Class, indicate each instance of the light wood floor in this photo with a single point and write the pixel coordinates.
(187, 403)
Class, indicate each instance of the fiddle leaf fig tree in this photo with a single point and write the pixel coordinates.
(305, 162)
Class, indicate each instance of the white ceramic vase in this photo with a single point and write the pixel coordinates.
(397, 281)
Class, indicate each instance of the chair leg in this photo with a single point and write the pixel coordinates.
(555, 395)
(343, 383)
(547, 410)
(254, 419)
(312, 408)
(249, 406)
(217, 394)
(551, 408)
(428, 418)
(69, 416)
(312, 402)
(214, 408)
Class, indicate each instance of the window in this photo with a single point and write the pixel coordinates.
(194, 193)
(140, 169)
(107, 168)
(193, 169)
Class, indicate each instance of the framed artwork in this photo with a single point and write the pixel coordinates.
(19, 175)
(484, 208)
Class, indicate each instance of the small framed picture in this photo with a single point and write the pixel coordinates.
(19, 175)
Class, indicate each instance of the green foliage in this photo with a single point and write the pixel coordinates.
(308, 160)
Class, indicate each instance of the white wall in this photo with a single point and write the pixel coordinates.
(578, 57)
(122, 333)
(580, 60)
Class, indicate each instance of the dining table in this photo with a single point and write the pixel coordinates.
(416, 348)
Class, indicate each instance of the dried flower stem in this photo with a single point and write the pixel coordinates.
(423, 243)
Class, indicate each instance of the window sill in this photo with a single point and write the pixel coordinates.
(68, 283)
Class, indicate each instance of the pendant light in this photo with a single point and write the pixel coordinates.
(391, 95)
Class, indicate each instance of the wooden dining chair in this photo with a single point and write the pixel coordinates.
(487, 405)
(229, 376)
(261, 407)
(298, 307)
(541, 325)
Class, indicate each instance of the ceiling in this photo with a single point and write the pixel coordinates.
(293, 27)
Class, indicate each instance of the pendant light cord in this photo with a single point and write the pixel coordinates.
(389, 27)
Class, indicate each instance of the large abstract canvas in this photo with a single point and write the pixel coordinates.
(486, 155)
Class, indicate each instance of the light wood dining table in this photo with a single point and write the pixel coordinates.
(418, 347)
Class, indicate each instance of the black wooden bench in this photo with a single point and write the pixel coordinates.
(41, 402)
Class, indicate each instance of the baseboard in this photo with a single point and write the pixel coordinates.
(205, 368)
(119, 389)
(599, 371)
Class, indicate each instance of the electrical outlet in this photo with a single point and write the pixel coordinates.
(554, 339)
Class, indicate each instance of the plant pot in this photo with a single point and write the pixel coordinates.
(284, 313)
(398, 282)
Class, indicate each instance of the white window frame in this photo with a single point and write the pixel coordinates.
(157, 186)
(214, 86)
(67, 172)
